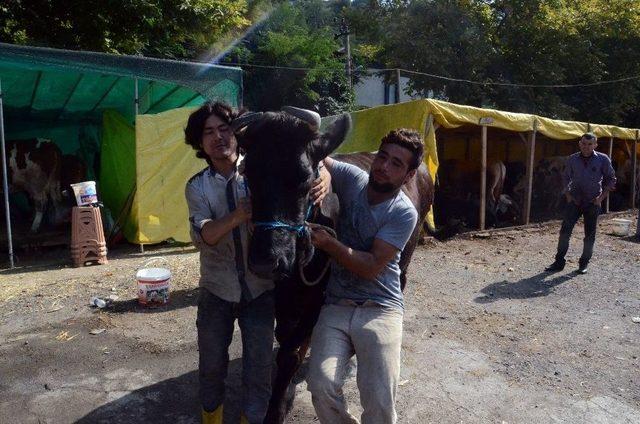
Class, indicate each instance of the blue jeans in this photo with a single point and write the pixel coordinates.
(572, 212)
(215, 331)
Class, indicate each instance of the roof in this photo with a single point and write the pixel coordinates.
(52, 84)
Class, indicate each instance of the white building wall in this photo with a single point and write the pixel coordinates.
(370, 91)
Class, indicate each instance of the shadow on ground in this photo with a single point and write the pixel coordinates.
(535, 286)
(633, 239)
(174, 400)
(56, 257)
(178, 299)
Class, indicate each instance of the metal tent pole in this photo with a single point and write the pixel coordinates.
(610, 155)
(5, 181)
(136, 103)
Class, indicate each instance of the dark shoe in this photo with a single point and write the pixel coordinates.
(555, 267)
(582, 270)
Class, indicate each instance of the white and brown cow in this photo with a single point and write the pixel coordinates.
(34, 167)
(458, 194)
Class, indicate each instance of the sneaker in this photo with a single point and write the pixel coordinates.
(582, 270)
(554, 267)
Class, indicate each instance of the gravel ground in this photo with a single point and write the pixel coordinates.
(488, 337)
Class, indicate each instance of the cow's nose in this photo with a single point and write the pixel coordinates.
(281, 267)
(262, 269)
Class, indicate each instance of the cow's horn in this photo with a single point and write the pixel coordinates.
(309, 116)
(245, 119)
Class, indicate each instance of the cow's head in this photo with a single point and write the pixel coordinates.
(282, 152)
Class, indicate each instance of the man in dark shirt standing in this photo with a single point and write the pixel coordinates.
(587, 180)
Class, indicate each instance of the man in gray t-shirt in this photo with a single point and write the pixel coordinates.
(364, 307)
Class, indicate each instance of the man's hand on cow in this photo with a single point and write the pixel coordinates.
(320, 238)
(243, 211)
(321, 186)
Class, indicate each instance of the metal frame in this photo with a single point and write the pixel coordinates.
(73, 90)
(5, 182)
(163, 98)
(606, 205)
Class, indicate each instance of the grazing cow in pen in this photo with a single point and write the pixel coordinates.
(624, 176)
(458, 196)
(34, 167)
(547, 199)
(282, 152)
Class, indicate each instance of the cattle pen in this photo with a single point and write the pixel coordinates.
(529, 145)
(92, 107)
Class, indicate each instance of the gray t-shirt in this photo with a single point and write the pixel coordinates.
(359, 224)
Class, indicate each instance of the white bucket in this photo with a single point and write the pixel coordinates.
(621, 227)
(153, 285)
(85, 193)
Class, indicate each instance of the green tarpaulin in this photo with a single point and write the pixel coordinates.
(68, 96)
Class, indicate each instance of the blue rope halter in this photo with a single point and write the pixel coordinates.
(300, 230)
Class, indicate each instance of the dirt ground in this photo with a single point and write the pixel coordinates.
(488, 338)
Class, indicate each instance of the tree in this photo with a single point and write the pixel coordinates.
(158, 28)
(297, 47)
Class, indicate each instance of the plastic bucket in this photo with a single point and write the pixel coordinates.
(153, 286)
(85, 193)
(621, 227)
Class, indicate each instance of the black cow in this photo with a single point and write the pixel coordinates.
(282, 152)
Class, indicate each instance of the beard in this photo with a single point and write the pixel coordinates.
(381, 187)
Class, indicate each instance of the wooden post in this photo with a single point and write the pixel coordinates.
(397, 85)
(634, 162)
(531, 152)
(483, 178)
(606, 205)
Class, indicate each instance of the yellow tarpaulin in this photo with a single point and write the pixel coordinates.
(164, 164)
(450, 115)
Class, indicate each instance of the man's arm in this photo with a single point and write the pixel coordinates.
(367, 265)
(321, 185)
(212, 231)
(205, 227)
(608, 182)
(328, 162)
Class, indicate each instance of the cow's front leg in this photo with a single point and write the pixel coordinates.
(39, 206)
(288, 360)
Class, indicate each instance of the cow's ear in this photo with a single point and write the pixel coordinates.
(329, 141)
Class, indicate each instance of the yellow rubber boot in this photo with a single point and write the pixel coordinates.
(214, 417)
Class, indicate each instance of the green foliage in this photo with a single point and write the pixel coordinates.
(539, 42)
(295, 38)
(161, 28)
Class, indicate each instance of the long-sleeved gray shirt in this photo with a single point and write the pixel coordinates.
(585, 178)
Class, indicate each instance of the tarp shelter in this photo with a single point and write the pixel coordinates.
(427, 115)
(76, 98)
(160, 141)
